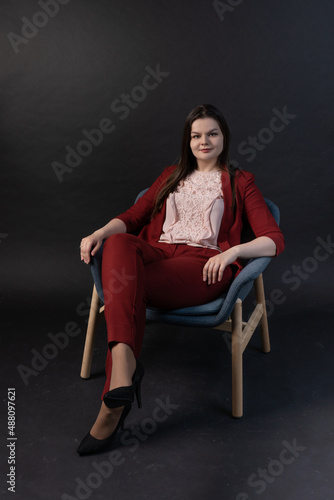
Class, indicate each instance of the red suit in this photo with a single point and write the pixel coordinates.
(138, 271)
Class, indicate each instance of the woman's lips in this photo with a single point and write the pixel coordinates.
(205, 150)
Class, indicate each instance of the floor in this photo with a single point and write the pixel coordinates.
(183, 444)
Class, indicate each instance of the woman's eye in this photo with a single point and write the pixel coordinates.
(213, 133)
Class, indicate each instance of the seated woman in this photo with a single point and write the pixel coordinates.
(187, 253)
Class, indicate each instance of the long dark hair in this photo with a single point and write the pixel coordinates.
(188, 162)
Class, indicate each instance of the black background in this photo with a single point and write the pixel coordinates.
(261, 56)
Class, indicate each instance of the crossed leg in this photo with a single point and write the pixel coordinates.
(162, 276)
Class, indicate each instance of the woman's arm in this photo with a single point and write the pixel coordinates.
(259, 247)
(130, 221)
(91, 244)
(258, 215)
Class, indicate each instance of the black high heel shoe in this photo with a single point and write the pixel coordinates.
(90, 445)
(122, 396)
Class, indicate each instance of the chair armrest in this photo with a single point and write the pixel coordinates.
(242, 285)
(95, 267)
(239, 288)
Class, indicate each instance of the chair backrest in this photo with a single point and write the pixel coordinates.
(141, 194)
(274, 210)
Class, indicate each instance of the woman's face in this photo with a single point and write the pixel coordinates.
(206, 140)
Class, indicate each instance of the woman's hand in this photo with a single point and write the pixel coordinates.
(214, 268)
(89, 246)
(263, 246)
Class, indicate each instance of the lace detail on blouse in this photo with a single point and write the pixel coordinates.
(194, 211)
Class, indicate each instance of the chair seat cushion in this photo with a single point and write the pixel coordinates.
(203, 310)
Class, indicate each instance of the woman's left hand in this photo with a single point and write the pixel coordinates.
(214, 268)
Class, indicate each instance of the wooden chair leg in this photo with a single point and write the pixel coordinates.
(237, 350)
(260, 298)
(90, 335)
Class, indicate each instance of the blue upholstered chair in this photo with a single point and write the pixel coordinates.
(224, 313)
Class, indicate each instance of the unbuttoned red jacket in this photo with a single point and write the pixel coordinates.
(249, 206)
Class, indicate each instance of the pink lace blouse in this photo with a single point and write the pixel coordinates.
(194, 211)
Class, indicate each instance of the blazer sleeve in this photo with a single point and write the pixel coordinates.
(259, 217)
(139, 214)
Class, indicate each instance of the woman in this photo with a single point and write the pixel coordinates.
(187, 253)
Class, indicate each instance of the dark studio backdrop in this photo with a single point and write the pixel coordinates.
(253, 61)
(93, 100)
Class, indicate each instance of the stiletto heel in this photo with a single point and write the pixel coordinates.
(122, 396)
(138, 395)
(90, 445)
(137, 380)
(125, 413)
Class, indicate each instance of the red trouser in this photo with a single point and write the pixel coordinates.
(136, 274)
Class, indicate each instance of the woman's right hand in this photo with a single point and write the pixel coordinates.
(89, 246)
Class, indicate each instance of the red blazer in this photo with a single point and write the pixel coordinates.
(249, 204)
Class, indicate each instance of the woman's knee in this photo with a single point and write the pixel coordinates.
(119, 240)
